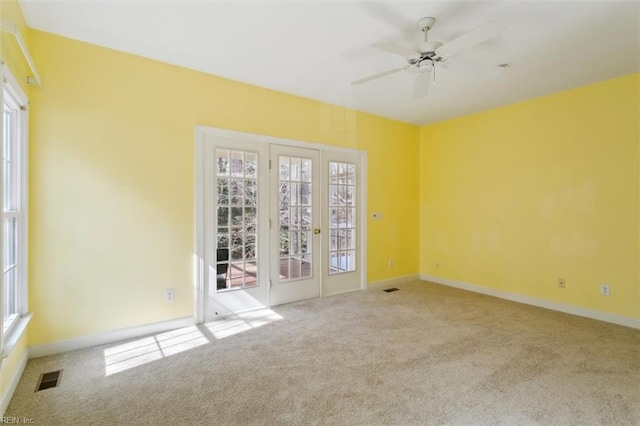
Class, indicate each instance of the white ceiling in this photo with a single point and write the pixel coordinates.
(315, 49)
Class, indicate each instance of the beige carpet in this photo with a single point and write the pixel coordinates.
(426, 354)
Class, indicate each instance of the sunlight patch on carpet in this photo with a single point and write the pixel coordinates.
(242, 322)
(147, 349)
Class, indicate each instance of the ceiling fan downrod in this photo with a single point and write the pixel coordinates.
(425, 24)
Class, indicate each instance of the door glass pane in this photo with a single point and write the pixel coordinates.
(251, 165)
(237, 191)
(284, 168)
(342, 217)
(223, 191)
(237, 219)
(250, 219)
(222, 162)
(251, 192)
(294, 223)
(251, 274)
(237, 163)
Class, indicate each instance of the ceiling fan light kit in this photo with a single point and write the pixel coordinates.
(431, 54)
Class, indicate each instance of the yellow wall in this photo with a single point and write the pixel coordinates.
(112, 181)
(10, 364)
(516, 197)
(9, 50)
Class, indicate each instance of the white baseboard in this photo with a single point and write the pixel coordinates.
(108, 337)
(375, 285)
(542, 303)
(13, 384)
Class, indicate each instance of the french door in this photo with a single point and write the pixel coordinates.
(276, 223)
(342, 227)
(295, 232)
(236, 227)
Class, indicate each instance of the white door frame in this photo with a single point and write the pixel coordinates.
(201, 133)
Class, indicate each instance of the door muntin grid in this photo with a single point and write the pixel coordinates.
(294, 218)
(342, 217)
(236, 177)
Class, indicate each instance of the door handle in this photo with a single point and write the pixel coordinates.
(316, 231)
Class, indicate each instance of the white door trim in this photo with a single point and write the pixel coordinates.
(201, 132)
(254, 137)
(198, 258)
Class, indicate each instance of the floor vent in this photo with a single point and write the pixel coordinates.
(389, 290)
(49, 380)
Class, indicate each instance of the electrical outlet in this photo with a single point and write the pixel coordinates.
(168, 295)
(390, 263)
(437, 265)
(605, 290)
(561, 282)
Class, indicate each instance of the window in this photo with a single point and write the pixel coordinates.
(13, 232)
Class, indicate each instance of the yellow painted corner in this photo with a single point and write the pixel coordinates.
(10, 52)
(10, 365)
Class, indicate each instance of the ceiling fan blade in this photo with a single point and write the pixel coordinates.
(421, 85)
(396, 50)
(475, 69)
(469, 39)
(376, 76)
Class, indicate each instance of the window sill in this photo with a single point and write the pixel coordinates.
(12, 338)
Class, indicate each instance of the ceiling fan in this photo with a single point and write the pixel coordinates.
(432, 54)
